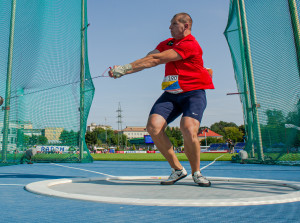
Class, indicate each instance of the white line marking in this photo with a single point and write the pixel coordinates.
(83, 170)
(166, 199)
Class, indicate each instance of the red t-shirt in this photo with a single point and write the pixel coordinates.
(187, 74)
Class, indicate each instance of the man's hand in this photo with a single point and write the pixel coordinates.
(119, 71)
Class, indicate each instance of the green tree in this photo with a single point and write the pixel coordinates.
(99, 142)
(69, 138)
(218, 127)
(292, 134)
(168, 131)
(173, 141)
(101, 136)
(242, 129)
(33, 140)
(234, 134)
(275, 117)
(90, 138)
(174, 135)
(26, 140)
(274, 131)
(42, 140)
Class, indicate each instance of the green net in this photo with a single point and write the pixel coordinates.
(263, 37)
(50, 91)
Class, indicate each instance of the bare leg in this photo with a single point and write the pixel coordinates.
(189, 128)
(156, 127)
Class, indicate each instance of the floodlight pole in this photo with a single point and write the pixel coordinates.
(8, 82)
(252, 90)
(82, 80)
(296, 28)
(246, 84)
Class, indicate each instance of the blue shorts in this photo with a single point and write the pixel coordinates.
(170, 106)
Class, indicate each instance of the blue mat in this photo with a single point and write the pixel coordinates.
(18, 205)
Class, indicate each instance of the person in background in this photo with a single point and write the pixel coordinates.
(28, 155)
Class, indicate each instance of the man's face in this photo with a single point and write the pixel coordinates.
(177, 28)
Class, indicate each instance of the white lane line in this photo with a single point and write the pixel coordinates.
(12, 185)
(83, 170)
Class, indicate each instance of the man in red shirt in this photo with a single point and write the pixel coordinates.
(184, 88)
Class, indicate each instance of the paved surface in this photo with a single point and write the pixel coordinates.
(185, 189)
(18, 205)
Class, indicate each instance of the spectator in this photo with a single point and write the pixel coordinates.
(230, 145)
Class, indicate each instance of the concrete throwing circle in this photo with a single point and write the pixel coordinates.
(147, 190)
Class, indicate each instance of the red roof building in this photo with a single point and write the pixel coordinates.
(208, 133)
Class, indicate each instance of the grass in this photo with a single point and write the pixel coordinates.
(116, 157)
(156, 157)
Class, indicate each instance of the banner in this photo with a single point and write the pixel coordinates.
(48, 149)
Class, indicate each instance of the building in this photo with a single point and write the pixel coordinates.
(208, 133)
(24, 125)
(14, 127)
(52, 133)
(31, 132)
(135, 132)
(93, 126)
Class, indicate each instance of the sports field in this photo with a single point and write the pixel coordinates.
(157, 156)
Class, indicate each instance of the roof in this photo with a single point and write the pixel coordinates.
(208, 133)
(135, 129)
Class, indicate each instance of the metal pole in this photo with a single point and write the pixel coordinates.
(82, 79)
(246, 84)
(8, 82)
(250, 74)
(296, 28)
(105, 132)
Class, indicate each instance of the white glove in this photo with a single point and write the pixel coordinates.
(120, 71)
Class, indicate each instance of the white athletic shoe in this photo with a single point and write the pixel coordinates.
(201, 180)
(175, 176)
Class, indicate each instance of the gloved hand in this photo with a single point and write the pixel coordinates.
(119, 71)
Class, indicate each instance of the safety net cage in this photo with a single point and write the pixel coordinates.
(263, 37)
(44, 80)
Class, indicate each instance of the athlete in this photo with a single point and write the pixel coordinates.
(184, 86)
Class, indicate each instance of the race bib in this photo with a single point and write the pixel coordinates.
(170, 84)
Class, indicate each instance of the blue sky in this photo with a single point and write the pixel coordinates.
(123, 31)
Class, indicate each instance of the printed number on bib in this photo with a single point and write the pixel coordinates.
(170, 84)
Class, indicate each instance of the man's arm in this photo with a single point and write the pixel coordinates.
(153, 59)
(153, 52)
